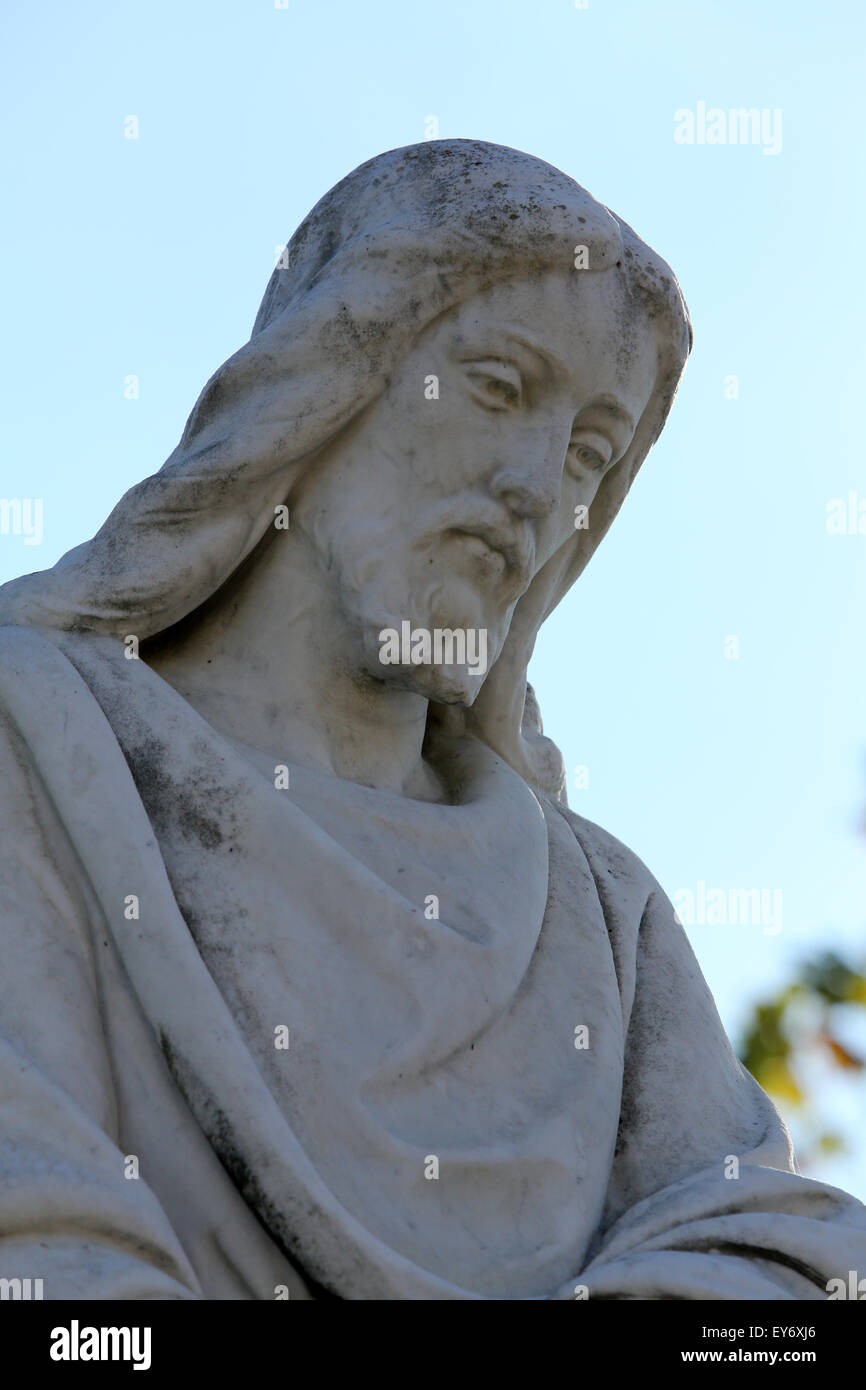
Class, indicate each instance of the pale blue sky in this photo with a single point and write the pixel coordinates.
(150, 256)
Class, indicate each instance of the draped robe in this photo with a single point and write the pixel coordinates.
(504, 1077)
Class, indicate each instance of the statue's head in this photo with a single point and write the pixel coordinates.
(440, 504)
(457, 369)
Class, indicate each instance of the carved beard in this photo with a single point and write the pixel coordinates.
(381, 586)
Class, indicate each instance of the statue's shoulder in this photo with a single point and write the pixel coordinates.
(43, 697)
(13, 640)
(31, 663)
(619, 873)
(18, 643)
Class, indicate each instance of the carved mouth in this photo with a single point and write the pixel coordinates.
(507, 548)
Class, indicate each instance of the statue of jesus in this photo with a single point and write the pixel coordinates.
(315, 987)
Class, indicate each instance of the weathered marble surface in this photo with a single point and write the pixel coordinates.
(225, 820)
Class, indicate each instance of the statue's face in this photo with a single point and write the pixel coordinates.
(449, 493)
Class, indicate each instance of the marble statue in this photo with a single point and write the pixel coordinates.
(314, 986)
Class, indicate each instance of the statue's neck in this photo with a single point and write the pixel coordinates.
(265, 663)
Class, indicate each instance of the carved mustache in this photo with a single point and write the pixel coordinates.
(515, 548)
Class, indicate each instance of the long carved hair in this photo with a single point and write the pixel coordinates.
(404, 238)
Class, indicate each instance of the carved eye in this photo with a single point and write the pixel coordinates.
(503, 390)
(594, 457)
(498, 385)
(590, 458)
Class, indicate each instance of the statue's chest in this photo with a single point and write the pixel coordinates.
(435, 1011)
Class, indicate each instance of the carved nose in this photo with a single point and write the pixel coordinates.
(529, 478)
(529, 494)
